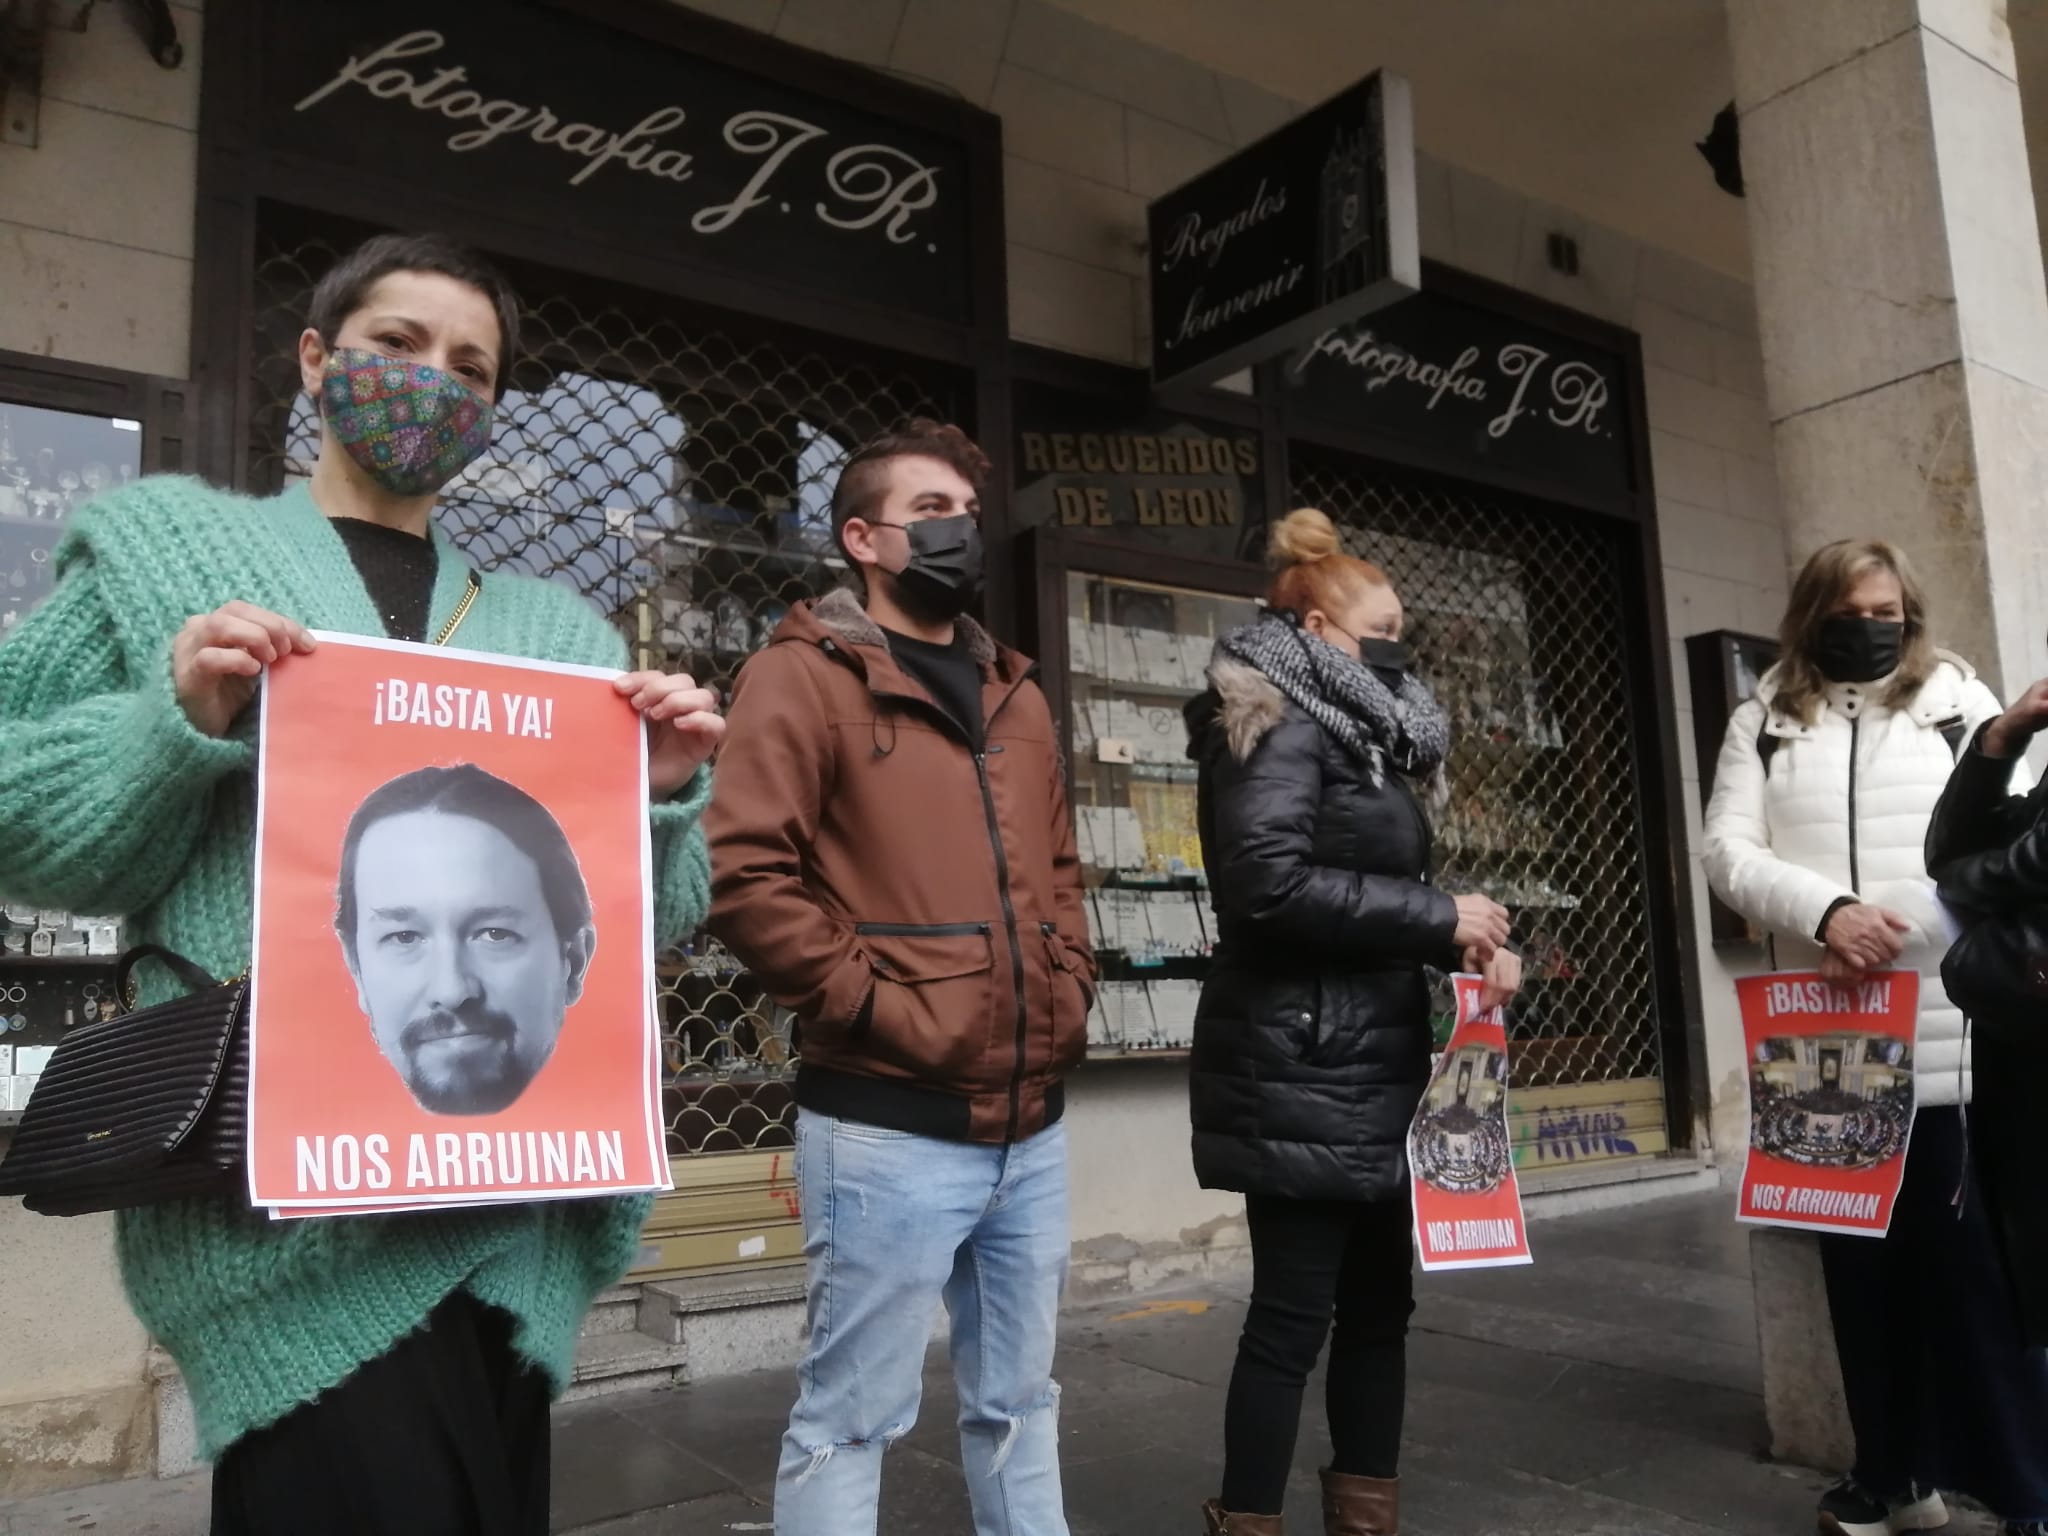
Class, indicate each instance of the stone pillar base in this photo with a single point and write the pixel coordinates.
(1803, 1403)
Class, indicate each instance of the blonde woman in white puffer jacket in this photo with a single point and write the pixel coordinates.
(1822, 797)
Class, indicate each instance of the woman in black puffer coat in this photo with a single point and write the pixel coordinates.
(1988, 848)
(1312, 1040)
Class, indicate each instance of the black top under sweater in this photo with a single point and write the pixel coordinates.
(949, 673)
(398, 568)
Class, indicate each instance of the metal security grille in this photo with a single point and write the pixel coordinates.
(1514, 615)
(680, 477)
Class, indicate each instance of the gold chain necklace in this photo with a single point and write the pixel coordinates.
(476, 585)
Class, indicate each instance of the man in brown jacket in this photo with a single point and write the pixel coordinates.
(893, 857)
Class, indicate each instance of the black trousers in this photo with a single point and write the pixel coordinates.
(445, 1434)
(1312, 1261)
(1943, 1392)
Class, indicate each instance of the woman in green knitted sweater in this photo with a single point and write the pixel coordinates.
(370, 1373)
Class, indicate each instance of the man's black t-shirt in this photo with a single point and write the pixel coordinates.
(949, 672)
(398, 568)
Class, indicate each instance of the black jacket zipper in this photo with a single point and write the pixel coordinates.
(1855, 877)
(995, 840)
(1424, 833)
(1427, 837)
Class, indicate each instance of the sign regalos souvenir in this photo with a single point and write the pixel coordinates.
(1468, 1204)
(1831, 1099)
(452, 1000)
(1307, 229)
(536, 115)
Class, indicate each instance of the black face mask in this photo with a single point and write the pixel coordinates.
(1390, 660)
(943, 577)
(1857, 650)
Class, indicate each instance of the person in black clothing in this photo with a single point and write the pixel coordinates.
(1987, 849)
(1312, 1038)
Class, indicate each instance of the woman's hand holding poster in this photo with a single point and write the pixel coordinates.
(453, 991)
(1830, 1098)
(1468, 1205)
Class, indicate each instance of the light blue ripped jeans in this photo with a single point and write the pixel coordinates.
(893, 1223)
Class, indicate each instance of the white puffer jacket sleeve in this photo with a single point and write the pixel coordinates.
(1979, 704)
(1779, 896)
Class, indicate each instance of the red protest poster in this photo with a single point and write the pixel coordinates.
(1830, 1098)
(1468, 1205)
(452, 996)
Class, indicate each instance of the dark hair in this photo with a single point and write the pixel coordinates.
(466, 790)
(346, 286)
(864, 482)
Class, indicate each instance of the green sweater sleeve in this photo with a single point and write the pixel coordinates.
(103, 781)
(682, 864)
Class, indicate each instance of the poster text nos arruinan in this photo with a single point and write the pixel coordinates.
(475, 1160)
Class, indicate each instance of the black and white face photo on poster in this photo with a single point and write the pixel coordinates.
(466, 924)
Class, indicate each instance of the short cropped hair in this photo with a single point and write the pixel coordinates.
(467, 790)
(346, 286)
(864, 482)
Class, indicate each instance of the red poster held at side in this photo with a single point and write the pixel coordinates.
(453, 991)
(1830, 1098)
(1468, 1206)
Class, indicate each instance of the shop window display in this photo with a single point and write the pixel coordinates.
(1136, 653)
(1515, 616)
(51, 464)
(55, 967)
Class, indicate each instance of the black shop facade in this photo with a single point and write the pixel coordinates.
(740, 260)
(1487, 451)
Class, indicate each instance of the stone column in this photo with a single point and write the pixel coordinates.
(1900, 299)
(1904, 322)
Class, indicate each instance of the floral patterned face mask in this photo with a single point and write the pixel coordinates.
(410, 427)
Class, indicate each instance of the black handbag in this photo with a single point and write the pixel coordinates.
(1998, 968)
(149, 1105)
(146, 1106)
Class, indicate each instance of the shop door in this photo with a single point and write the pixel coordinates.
(677, 474)
(1515, 614)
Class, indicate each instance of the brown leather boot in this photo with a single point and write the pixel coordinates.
(1360, 1506)
(1218, 1521)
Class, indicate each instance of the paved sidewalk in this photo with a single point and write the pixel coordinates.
(1612, 1390)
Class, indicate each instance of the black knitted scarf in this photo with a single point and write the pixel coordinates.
(1375, 723)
